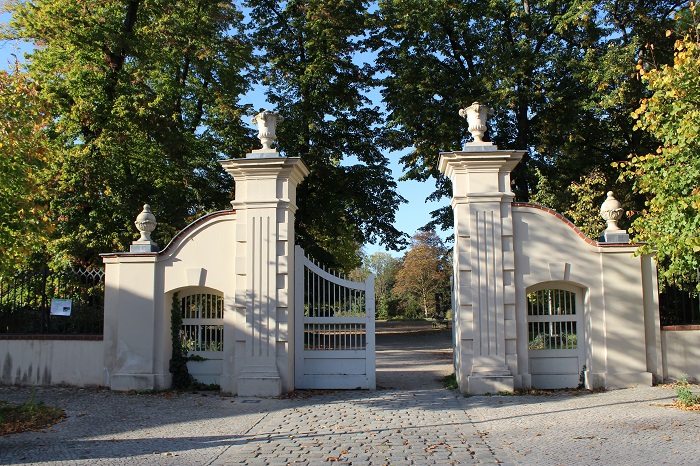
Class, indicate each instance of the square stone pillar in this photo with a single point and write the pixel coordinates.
(264, 262)
(484, 270)
(135, 350)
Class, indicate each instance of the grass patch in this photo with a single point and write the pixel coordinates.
(686, 399)
(28, 416)
(450, 382)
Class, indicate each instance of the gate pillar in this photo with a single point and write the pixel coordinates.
(484, 270)
(265, 204)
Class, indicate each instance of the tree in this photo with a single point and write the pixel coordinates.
(144, 102)
(424, 272)
(560, 75)
(669, 176)
(310, 50)
(23, 225)
(385, 268)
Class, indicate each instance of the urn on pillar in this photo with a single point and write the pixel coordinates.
(612, 211)
(145, 223)
(267, 126)
(477, 116)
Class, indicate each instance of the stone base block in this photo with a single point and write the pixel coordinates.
(628, 380)
(522, 381)
(481, 385)
(125, 382)
(259, 383)
(611, 381)
(227, 384)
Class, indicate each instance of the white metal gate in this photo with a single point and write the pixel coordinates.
(555, 346)
(334, 329)
(202, 335)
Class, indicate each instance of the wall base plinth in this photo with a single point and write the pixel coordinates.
(493, 383)
(125, 382)
(611, 381)
(259, 381)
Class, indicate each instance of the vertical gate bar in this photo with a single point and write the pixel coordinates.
(328, 298)
(43, 318)
(543, 302)
(312, 291)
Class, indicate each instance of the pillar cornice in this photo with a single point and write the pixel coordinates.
(455, 162)
(278, 167)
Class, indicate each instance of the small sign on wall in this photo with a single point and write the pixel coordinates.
(61, 307)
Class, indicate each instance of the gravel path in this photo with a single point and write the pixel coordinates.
(412, 356)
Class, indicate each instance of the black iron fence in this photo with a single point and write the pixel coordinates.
(679, 306)
(67, 302)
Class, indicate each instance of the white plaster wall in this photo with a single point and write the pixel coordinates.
(619, 332)
(681, 354)
(201, 255)
(202, 259)
(138, 299)
(51, 362)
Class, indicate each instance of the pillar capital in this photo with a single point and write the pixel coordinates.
(268, 179)
(479, 169)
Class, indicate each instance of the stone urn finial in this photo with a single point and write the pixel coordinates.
(611, 211)
(267, 125)
(476, 115)
(145, 224)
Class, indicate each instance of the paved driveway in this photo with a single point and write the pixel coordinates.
(410, 421)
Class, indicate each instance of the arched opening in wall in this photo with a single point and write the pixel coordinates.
(202, 333)
(555, 335)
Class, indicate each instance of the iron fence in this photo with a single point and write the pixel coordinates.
(77, 296)
(679, 306)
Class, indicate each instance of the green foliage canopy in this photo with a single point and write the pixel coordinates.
(670, 176)
(144, 102)
(310, 51)
(23, 225)
(560, 75)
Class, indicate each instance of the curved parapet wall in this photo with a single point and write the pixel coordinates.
(620, 302)
(138, 295)
(192, 258)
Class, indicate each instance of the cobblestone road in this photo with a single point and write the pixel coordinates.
(621, 427)
(382, 428)
(411, 421)
(344, 427)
